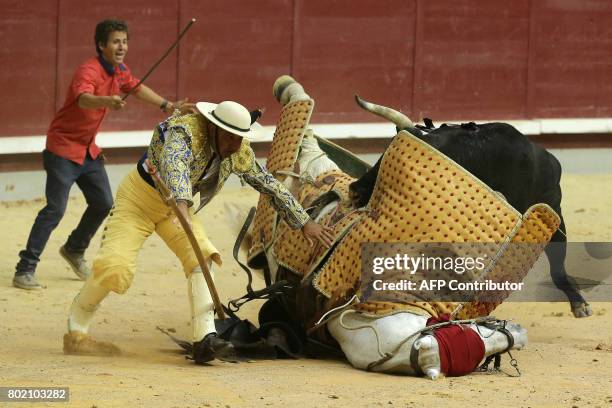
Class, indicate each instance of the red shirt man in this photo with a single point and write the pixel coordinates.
(72, 156)
(72, 133)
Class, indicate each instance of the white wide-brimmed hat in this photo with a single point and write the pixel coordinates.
(231, 116)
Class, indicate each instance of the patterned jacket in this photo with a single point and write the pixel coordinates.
(188, 164)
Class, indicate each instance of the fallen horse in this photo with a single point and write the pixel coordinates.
(419, 196)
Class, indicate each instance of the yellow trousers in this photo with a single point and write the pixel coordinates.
(138, 212)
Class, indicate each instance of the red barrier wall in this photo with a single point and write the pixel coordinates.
(471, 59)
(28, 57)
(447, 59)
(570, 59)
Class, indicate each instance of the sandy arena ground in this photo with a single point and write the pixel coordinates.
(568, 362)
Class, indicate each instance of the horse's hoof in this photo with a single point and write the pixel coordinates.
(432, 373)
(581, 309)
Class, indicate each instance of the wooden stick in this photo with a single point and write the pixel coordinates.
(193, 20)
(167, 196)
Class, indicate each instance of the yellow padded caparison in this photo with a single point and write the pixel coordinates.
(291, 248)
(334, 180)
(294, 119)
(264, 226)
(539, 224)
(420, 196)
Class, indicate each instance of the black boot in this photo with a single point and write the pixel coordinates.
(211, 347)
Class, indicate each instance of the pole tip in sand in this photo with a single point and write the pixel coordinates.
(193, 20)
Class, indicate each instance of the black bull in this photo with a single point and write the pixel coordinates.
(504, 159)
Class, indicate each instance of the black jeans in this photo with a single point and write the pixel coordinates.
(62, 173)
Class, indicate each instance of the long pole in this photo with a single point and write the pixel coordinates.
(167, 195)
(182, 33)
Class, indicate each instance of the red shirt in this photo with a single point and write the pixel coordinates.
(72, 132)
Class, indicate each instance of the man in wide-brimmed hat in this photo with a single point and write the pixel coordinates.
(193, 152)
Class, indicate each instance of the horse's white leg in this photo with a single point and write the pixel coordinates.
(312, 160)
(361, 346)
(311, 163)
(496, 341)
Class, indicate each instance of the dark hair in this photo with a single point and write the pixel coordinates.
(104, 28)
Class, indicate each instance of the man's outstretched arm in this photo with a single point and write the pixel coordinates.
(286, 205)
(149, 96)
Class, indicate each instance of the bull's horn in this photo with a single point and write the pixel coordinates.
(287, 89)
(399, 119)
